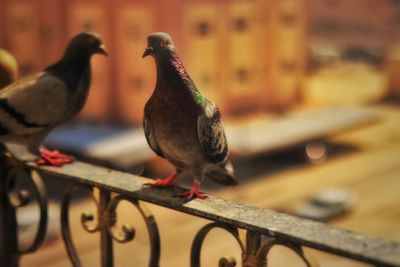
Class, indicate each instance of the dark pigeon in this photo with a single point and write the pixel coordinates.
(31, 107)
(181, 125)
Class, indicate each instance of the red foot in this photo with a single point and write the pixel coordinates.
(193, 192)
(163, 182)
(53, 158)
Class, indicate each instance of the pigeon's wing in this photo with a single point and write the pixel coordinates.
(33, 104)
(149, 134)
(211, 134)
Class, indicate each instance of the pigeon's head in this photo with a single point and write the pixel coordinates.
(158, 43)
(87, 43)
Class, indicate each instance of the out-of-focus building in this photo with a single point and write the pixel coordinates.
(348, 43)
(372, 24)
(247, 56)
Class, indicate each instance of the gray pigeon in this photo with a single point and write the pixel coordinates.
(31, 107)
(181, 125)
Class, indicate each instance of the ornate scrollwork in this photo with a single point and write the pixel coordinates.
(127, 232)
(21, 197)
(254, 253)
(88, 219)
(258, 247)
(106, 224)
(227, 262)
(201, 235)
(65, 227)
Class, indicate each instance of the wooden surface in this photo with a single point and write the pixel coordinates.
(246, 137)
(265, 136)
(369, 168)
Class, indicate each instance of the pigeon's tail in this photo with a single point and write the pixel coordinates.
(223, 174)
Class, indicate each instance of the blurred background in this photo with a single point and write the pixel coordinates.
(308, 89)
(248, 56)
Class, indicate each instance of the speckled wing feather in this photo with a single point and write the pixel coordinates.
(211, 134)
(149, 134)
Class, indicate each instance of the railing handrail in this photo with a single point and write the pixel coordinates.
(283, 227)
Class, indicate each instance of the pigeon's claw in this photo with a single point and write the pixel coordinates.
(169, 181)
(193, 192)
(53, 158)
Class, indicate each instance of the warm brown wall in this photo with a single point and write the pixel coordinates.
(245, 55)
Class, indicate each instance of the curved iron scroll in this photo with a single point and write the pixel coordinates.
(258, 247)
(21, 197)
(65, 228)
(198, 243)
(106, 219)
(254, 254)
(127, 233)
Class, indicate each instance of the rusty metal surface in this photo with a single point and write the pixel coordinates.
(11, 198)
(104, 222)
(106, 244)
(65, 227)
(282, 227)
(24, 198)
(9, 255)
(255, 248)
(127, 233)
(201, 235)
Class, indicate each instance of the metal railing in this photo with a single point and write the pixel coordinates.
(264, 228)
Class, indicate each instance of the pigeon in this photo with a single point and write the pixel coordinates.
(8, 68)
(181, 125)
(31, 107)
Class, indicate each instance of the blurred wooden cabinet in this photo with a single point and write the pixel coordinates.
(202, 32)
(246, 55)
(242, 54)
(241, 77)
(22, 27)
(2, 21)
(286, 52)
(53, 39)
(33, 31)
(91, 15)
(392, 66)
(135, 76)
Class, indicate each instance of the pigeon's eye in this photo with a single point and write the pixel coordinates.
(91, 40)
(164, 43)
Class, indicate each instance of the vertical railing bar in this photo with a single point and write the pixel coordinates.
(9, 256)
(106, 243)
(65, 227)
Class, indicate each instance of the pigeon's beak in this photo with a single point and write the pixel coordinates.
(147, 51)
(102, 50)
